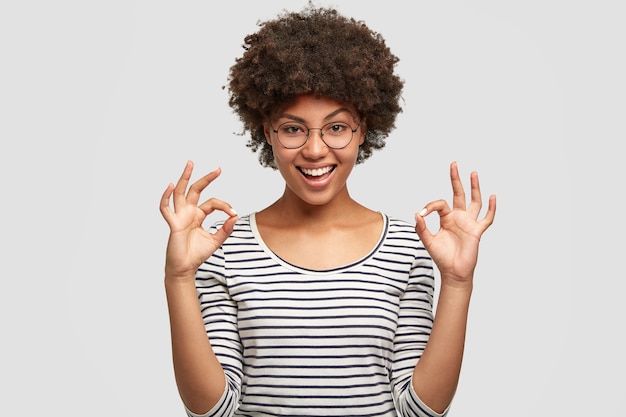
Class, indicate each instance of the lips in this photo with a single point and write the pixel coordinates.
(316, 172)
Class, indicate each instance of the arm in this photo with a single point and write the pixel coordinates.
(454, 249)
(436, 374)
(199, 375)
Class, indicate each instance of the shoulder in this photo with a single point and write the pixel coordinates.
(242, 230)
(400, 232)
(396, 225)
(242, 222)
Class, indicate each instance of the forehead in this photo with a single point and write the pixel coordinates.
(312, 108)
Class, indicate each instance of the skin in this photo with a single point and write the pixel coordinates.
(319, 216)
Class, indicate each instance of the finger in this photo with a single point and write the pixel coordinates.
(213, 204)
(164, 205)
(422, 229)
(458, 194)
(181, 186)
(440, 206)
(193, 196)
(227, 228)
(476, 203)
(491, 213)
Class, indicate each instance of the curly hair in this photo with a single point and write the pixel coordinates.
(316, 51)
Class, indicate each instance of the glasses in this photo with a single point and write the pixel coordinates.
(336, 135)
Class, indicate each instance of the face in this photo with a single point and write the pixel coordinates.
(314, 172)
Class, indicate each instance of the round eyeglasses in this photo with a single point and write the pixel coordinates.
(336, 135)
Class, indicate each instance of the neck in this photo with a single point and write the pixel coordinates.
(292, 209)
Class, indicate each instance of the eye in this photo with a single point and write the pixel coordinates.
(336, 128)
(292, 129)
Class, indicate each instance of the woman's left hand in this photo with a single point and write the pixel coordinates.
(454, 248)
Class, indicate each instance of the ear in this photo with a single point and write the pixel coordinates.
(362, 132)
(268, 133)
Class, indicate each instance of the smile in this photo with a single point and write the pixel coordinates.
(317, 172)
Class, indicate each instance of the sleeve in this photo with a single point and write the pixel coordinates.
(219, 312)
(415, 321)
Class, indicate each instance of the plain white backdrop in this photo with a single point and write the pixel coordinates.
(103, 102)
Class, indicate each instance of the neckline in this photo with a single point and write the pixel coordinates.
(284, 263)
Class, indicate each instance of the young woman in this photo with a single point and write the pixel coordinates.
(317, 305)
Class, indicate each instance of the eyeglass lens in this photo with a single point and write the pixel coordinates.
(335, 135)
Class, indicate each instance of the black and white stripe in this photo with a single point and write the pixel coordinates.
(297, 342)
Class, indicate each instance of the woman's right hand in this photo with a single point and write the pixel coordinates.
(189, 244)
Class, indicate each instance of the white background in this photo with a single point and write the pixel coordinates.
(103, 102)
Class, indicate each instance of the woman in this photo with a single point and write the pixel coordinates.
(317, 305)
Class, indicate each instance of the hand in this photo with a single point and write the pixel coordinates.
(189, 244)
(454, 248)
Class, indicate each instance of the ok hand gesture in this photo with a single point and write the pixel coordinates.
(454, 248)
(189, 244)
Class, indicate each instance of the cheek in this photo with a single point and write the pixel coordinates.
(355, 149)
(277, 158)
(282, 156)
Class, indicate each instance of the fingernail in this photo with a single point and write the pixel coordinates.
(423, 212)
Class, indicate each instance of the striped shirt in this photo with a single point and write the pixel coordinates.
(300, 342)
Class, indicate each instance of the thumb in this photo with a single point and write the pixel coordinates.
(421, 228)
(227, 228)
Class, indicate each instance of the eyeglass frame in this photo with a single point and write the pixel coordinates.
(308, 133)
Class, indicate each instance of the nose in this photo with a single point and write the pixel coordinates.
(315, 146)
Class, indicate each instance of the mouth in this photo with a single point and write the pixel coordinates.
(316, 172)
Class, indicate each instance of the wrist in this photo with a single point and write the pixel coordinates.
(457, 286)
(454, 298)
(188, 279)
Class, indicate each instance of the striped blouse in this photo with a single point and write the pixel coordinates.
(300, 342)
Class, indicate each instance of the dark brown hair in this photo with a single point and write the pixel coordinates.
(316, 51)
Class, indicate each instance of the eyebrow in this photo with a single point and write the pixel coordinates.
(327, 118)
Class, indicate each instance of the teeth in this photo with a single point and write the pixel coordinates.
(316, 172)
